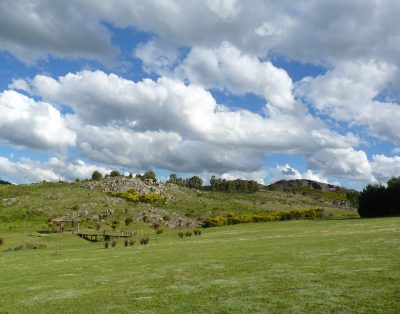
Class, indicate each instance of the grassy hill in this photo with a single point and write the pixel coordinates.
(34, 204)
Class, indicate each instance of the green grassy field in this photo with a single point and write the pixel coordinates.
(331, 266)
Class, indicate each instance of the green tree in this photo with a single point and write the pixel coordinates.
(352, 196)
(172, 178)
(115, 173)
(96, 176)
(195, 182)
(149, 175)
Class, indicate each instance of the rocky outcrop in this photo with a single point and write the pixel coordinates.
(123, 184)
(290, 184)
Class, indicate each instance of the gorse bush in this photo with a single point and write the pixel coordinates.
(133, 196)
(263, 217)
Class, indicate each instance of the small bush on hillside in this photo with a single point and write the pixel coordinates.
(19, 247)
(2, 241)
(114, 243)
(106, 245)
(145, 240)
(197, 232)
(131, 242)
(159, 230)
(126, 242)
(114, 224)
(128, 221)
(166, 218)
(181, 234)
(188, 233)
(35, 246)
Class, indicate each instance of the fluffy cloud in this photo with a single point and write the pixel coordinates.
(26, 170)
(287, 172)
(229, 69)
(342, 163)
(385, 167)
(169, 105)
(170, 125)
(26, 122)
(348, 93)
(313, 31)
(163, 150)
(36, 29)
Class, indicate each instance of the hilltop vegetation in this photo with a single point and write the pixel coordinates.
(166, 204)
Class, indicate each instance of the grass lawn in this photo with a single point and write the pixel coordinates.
(332, 266)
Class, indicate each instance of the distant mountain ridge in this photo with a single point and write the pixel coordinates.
(4, 182)
(299, 183)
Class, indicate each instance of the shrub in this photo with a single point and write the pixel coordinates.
(159, 230)
(19, 247)
(263, 217)
(114, 224)
(197, 232)
(126, 242)
(145, 218)
(188, 233)
(106, 245)
(133, 196)
(2, 241)
(131, 242)
(35, 246)
(166, 218)
(128, 221)
(181, 234)
(145, 240)
(114, 243)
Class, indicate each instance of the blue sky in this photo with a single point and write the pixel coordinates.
(266, 92)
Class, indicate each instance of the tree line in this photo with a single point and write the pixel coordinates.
(232, 186)
(194, 182)
(377, 200)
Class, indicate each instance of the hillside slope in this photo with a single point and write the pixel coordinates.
(35, 204)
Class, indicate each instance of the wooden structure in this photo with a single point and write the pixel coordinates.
(63, 221)
(96, 237)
